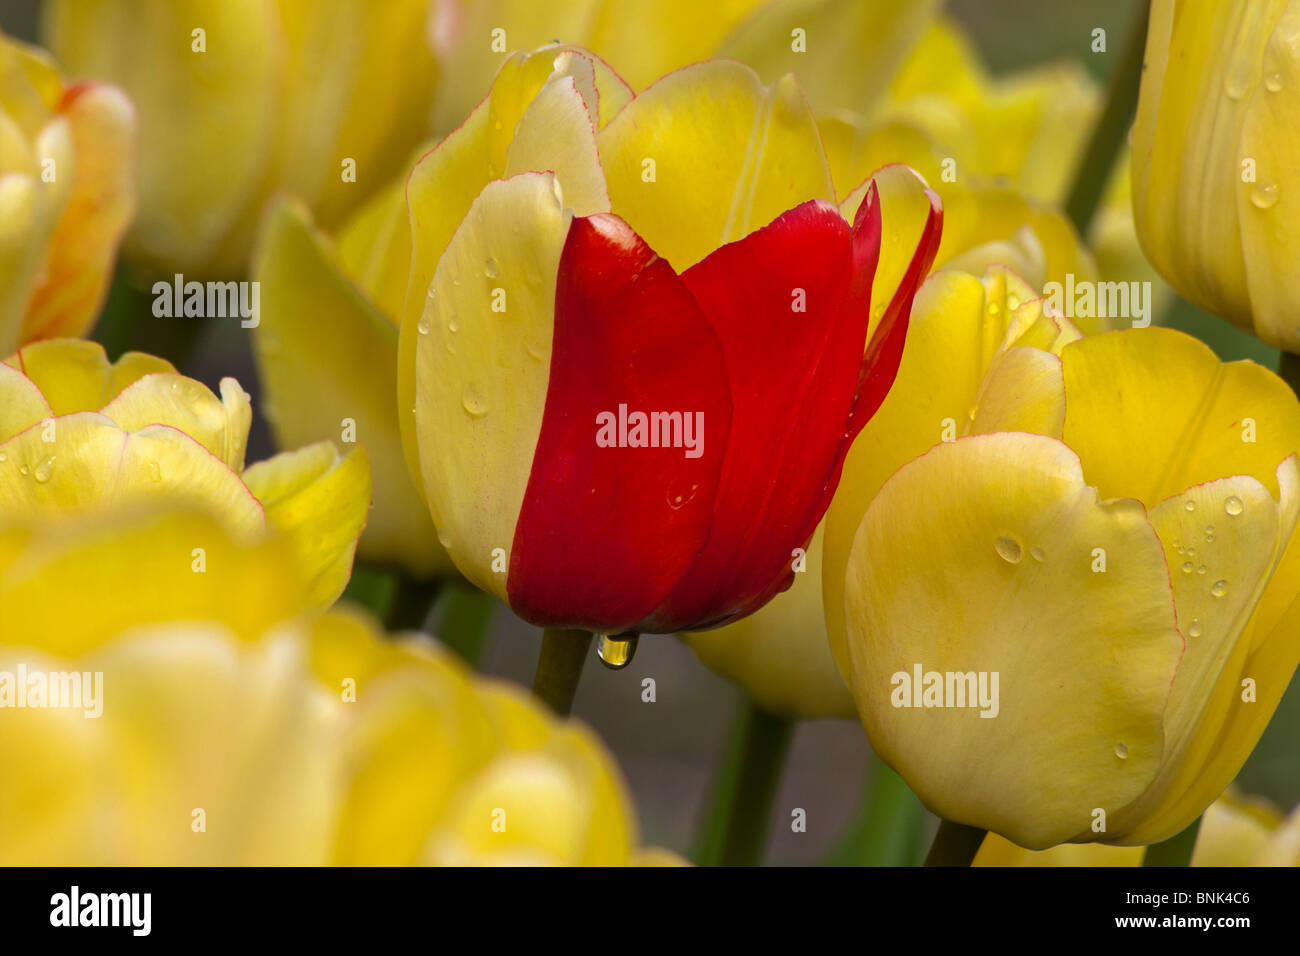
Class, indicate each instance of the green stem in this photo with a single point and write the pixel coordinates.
(887, 828)
(1288, 367)
(739, 810)
(1176, 851)
(411, 601)
(955, 844)
(127, 323)
(559, 666)
(1112, 128)
(462, 618)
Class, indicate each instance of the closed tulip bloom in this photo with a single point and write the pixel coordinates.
(1214, 159)
(65, 195)
(240, 98)
(210, 686)
(1073, 621)
(79, 435)
(636, 344)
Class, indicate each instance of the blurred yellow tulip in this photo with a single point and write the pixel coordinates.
(326, 349)
(240, 98)
(844, 51)
(193, 690)
(1123, 506)
(65, 195)
(78, 434)
(1214, 159)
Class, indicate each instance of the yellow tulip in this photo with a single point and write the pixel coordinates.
(211, 686)
(1214, 159)
(65, 195)
(1109, 532)
(1235, 831)
(240, 98)
(78, 434)
(843, 51)
(326, 349)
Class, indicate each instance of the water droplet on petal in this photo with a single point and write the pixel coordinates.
(1190, 505)
(1008, 548)
(1037, 554)
(1201, 569)
(1194, 629)
(1121, 750)
(43, 471)
(423, 326)
(615, 652)
(490, 268)
(1264, 195)
(453, 325)
(1219, 588)
(1233, 505)
(3, 456)
(1273, 82)
(155, 472)
(475, 404)
(444, 538)
(1187, 567)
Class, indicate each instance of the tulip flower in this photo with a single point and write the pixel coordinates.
(844, 51)
(1235, 831)
(326, 349)
(640, 267)
(1103, 560)
(65, 195)
(1214, 160)
(206, 687)
(240, 98)
(78, 434)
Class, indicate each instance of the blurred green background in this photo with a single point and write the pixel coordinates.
(669, 749)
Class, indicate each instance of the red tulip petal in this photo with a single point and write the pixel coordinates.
(794, 375)
(605, 533)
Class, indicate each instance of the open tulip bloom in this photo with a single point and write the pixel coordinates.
(639, 338)
(681, 353)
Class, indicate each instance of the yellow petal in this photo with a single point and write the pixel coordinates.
(1084, 658)
(446, 181)
(780, 654)
(1234, 831)
(1151, 412)
(492, 419)
(319, 502)
(80, 584)
(76, 376)
(958, 326)
(326, 358)
(101, 201)
(193, 720)
(999, 851)
(210, 116)
(21, 403)
(729, 155)
(219, 425)
(1219, 564)
(91, 464)
(844, 53)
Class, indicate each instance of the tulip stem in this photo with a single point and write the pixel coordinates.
(1288, 368)
(739, 809)
(461, 620)
(955, 844)
(559, 666)
(1108, 135)
(886, 831)
(1176, 851)
(411, 601)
